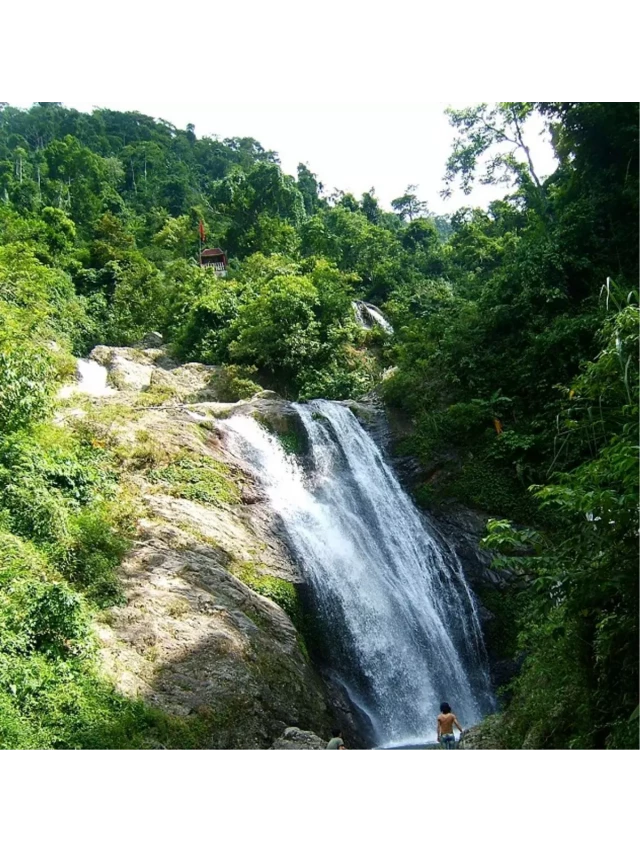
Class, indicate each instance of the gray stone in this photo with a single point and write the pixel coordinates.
(295, 738)
(128, 375)
(153, 340)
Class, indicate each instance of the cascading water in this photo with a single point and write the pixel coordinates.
(401, 620)
(92, 380)
(369, 316)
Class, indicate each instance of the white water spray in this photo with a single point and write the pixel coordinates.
(401, 620)
(92, 380)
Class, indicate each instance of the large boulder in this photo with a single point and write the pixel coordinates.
(192, 638)
(152, 340)
(295, 738)
(127, 374)
(133, 370)
(129, 369)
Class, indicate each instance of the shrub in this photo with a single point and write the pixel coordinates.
(235, 382)
(96, 550)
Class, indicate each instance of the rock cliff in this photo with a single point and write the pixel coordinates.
(209, 588)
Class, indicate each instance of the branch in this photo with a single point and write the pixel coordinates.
(522, 145)
(501, 133)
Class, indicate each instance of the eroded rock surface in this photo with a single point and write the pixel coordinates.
(195, 635)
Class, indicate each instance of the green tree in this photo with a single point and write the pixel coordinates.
(408, 206)
(494, 136)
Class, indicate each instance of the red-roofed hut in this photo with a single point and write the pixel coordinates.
(214, 259)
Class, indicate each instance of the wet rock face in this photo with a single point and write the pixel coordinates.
(371, 414)
(356, 728)
(280, 418)
(461, 527)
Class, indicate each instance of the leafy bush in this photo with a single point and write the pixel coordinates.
(580, 624)
(235, 383)
(494, 489)
(96, 549)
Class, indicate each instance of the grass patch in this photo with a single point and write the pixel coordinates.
(178, 607)
(199, 478)
(145, 453)
(157, 395)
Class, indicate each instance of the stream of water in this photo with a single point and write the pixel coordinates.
(91, 379)
(400, 619)
(368, 316)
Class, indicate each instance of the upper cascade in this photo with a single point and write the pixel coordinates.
(369, 316)
(91, 379)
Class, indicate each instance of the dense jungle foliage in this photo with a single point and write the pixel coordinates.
(514, 364)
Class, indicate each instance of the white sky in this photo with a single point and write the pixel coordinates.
(373, 77)
(351, 147)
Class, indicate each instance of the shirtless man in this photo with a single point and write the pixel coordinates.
(446, 721)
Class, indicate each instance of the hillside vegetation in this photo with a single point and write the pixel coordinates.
(515, 356)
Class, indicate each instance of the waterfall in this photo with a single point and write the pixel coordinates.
(368, 316)
(91, 380)
(400, 619)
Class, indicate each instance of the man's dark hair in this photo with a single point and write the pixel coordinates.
(445, 707)
(336, 732)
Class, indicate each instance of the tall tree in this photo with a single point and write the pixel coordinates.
(491, 139)
(408, 206)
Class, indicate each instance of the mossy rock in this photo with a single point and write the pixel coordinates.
(158, 395)
(488, 734)
(364, 415)
(281, 591)
(281, 420)
(292, 695)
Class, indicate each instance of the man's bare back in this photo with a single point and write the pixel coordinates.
(447, 722)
